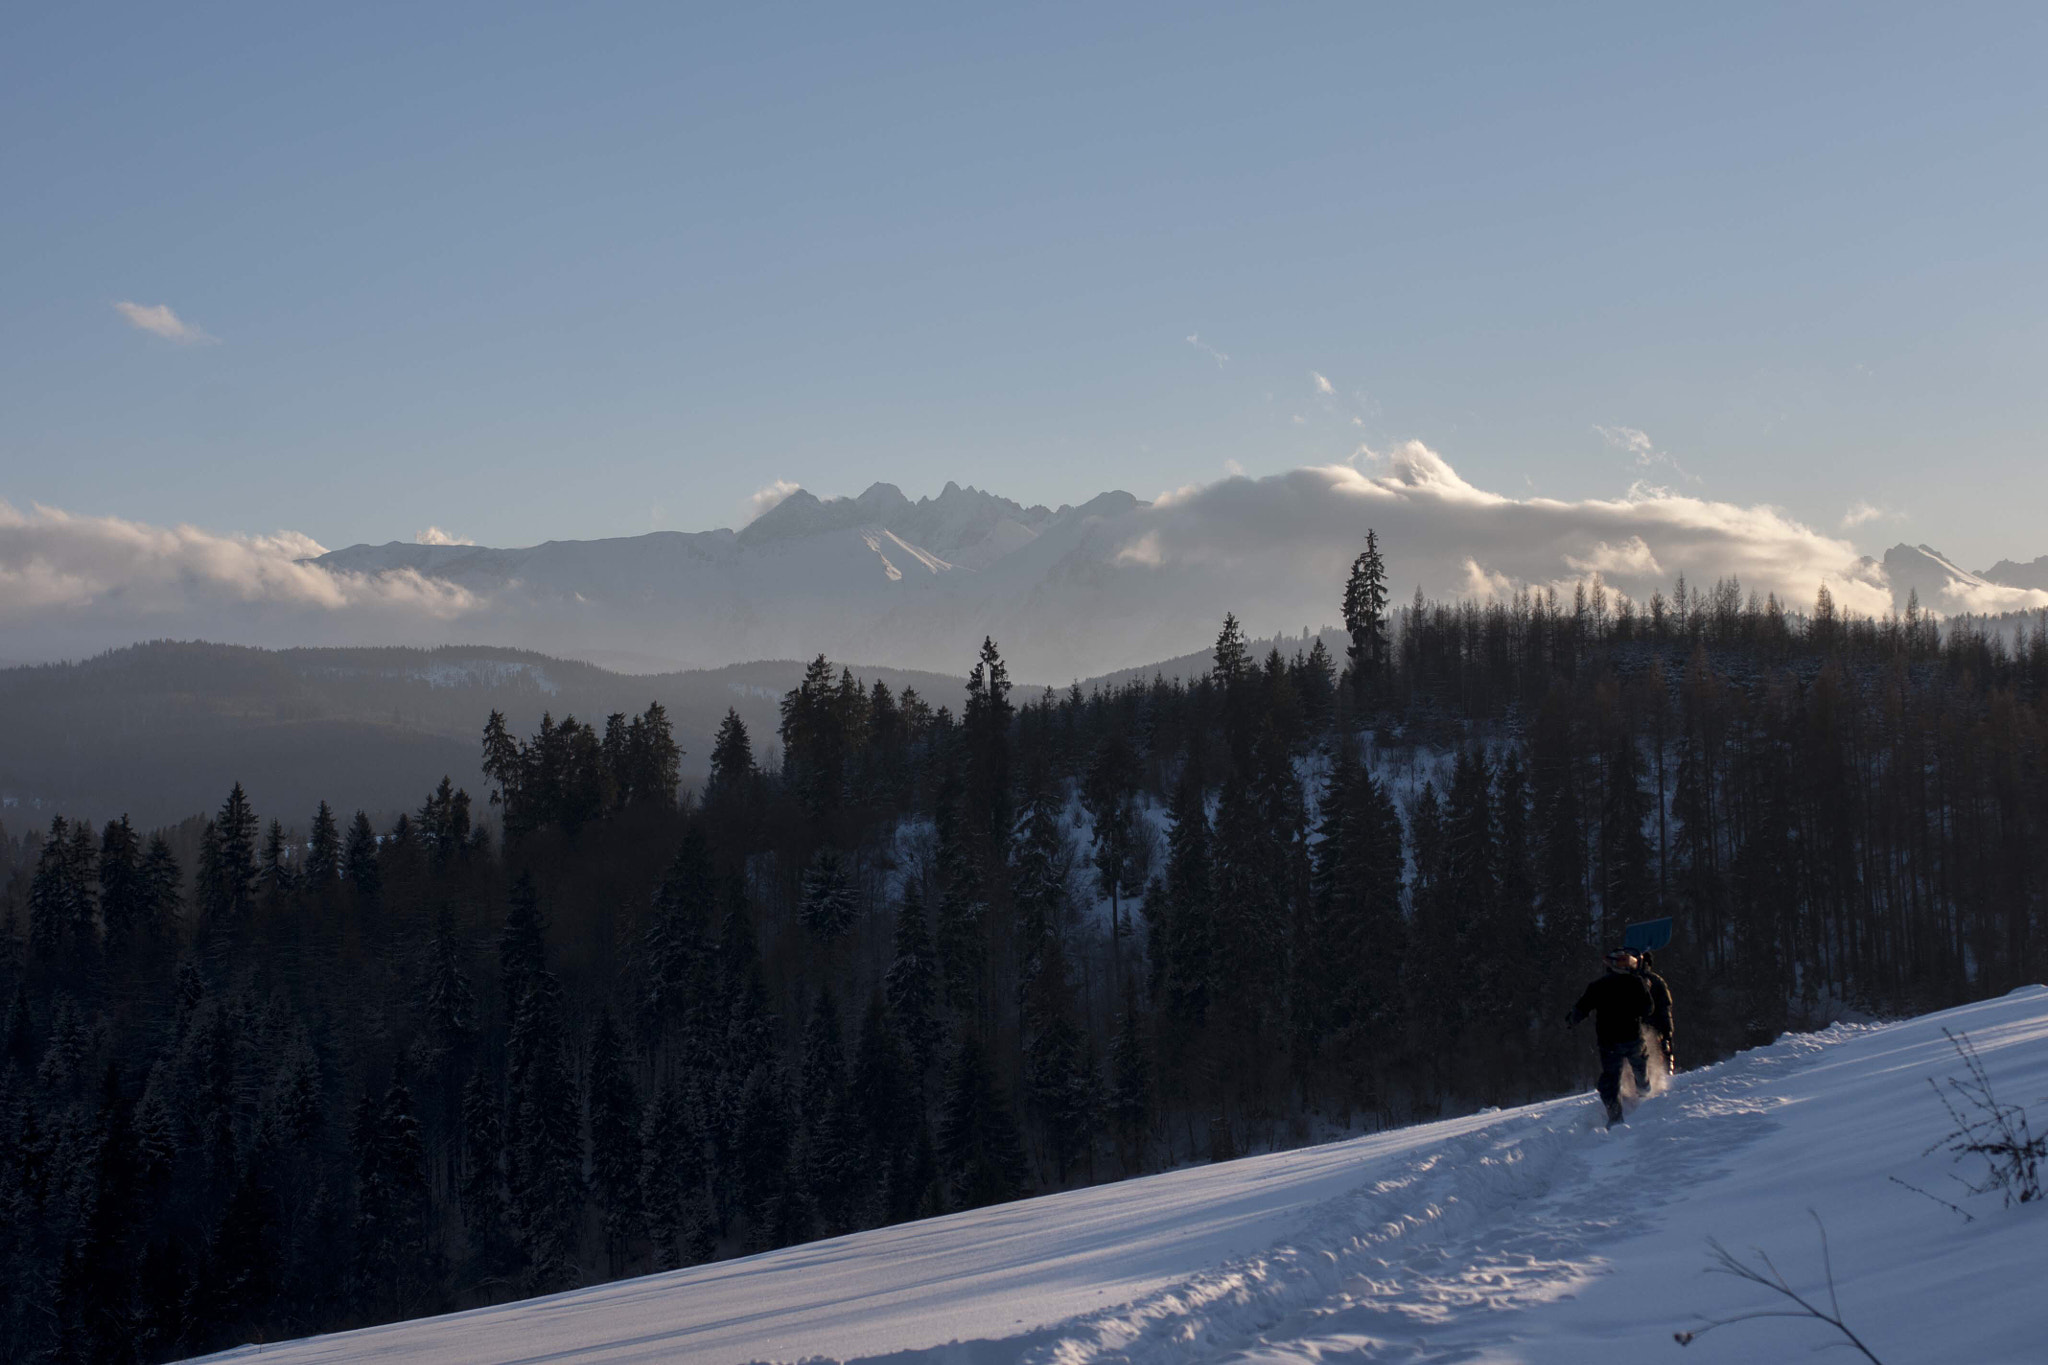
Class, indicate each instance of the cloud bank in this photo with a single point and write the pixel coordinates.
(158, 320)
(1121, 585)
(100, 581)
(1450, 538)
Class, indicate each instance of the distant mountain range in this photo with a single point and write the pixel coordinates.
(1067, 592)
(877, 576)
(1940, 585)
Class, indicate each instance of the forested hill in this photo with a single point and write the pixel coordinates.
(294, 1070)
(159, 730)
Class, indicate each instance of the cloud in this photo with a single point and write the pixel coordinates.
(1206, 349)
(158, 320)
(1861, 513)
(434, 535)
(1643, 450)
(1273, 546)
(1233, 469)
(761, 499)
(95, 581)
(1322, 384)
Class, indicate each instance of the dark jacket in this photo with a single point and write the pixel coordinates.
(1620, 1004)
(1660, 1002)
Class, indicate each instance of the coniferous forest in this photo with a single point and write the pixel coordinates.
(270, 1073)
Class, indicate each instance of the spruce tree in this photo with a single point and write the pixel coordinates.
(123, 895)
(615, 1157)
(979, 1149)
(323, 850)
(1365, 612)
(677, 1216)
(889, 1106)
(912, 987)
(830, 904)
(985, 729)
(359, 860)
(482, 1192)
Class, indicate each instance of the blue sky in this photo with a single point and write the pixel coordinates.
(530, 273)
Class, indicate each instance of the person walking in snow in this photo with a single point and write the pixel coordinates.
(1660, 1008)
(1620, 1005)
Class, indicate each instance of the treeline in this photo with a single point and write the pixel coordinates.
(321, 1075)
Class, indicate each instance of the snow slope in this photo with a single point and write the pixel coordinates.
(1521, 1236)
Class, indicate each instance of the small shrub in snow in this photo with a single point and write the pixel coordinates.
(1996, 1132)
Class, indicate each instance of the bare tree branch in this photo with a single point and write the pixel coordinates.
(1765, 1273)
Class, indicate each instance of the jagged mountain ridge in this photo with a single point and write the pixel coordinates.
(2011, 574)
(1943, 586)
(873, 575)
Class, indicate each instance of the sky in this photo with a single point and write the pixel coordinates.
(519, 273)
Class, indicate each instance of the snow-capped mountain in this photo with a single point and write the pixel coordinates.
(1942, 586)
(2007, 573)
(1529, 1236)
(871, 577)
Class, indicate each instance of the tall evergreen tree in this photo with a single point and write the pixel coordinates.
(615, 1155)
(323, 849)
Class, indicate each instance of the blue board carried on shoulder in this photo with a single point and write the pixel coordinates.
(1648, 937)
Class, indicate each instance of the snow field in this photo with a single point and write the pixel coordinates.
(1530, 1235)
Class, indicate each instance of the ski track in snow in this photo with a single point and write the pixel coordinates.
(1531, 1235)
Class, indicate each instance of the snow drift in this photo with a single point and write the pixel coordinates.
(1529, 1235)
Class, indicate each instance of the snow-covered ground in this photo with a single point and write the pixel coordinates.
(1529, 1235)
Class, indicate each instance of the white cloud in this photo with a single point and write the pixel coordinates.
(434, 535)
(158, 320)
(1206, 349)
(1322, 384)
(1643, 450)
(55, 566)
(1278, 542)
(1861, 513)
(764, 498)
(1233, 469)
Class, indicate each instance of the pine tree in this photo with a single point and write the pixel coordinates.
(1129, 1107)
(732, 762)
(275, 873)
(979, 1149)
(544, 1175)
(395, 1262)
(985, 729)
(227, 893)
(1109, 795)
(1184, 931)
(359, 860)
(1365, 612)
(887, 1100)
(830, 905)
(678, 1220)
(675, 958)
(912, 987)
(960, 934)
(161, 897)
(1232, 656)
(762, 1135)
(485, 1204)
(123, 896)
(830, 1139)
(615, 1158)
(323, 850)
(60, 900)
